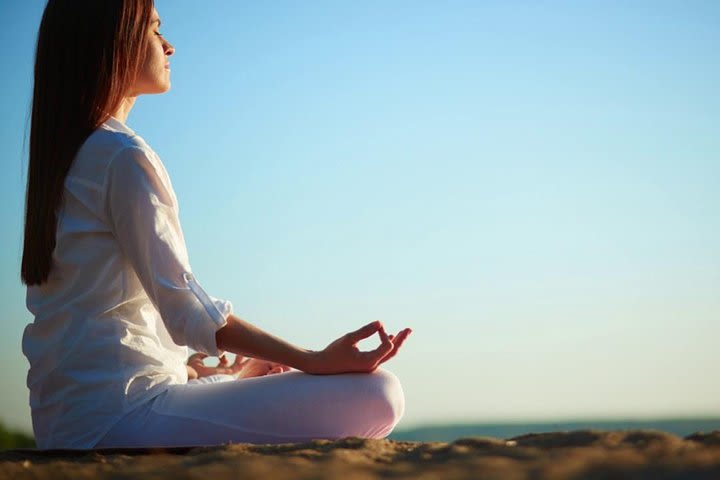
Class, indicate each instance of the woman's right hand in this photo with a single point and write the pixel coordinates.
(343, 355)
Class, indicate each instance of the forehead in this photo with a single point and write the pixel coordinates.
(155, 17)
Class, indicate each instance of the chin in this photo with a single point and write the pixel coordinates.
(161, 88)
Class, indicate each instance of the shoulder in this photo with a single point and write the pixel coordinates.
(133, 166)
(133, 160)
(110, 142)
(104, 146)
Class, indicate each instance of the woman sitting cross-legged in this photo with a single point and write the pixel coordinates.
(115, 303)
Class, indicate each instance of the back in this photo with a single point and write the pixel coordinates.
(97, 346)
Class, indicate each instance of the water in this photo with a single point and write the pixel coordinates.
(451, 432)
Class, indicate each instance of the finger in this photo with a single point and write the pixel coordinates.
(397, 343)
(402, 336)
(385, 347)
(223, 360)
(364, 332)
(197, 363)
(239, 365)
(197, 356)
(399, 340)
(384, 336)
(275, 370)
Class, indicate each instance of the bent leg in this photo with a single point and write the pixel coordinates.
(280, 408)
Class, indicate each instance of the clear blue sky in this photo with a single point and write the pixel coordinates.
(531, 186)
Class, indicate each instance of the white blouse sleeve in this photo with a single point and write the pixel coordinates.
(143, 216)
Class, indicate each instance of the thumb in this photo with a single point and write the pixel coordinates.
(364, 332)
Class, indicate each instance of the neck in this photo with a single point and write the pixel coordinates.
(124, 110)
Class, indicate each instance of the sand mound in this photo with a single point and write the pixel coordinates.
(586, 454)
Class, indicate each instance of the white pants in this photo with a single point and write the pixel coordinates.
(279, 408)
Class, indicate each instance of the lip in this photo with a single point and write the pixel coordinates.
(167, 66)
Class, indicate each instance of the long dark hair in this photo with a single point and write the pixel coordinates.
(87, 57)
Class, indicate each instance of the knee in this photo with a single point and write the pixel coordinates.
(387, 400)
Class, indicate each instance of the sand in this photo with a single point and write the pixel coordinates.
(586, 454)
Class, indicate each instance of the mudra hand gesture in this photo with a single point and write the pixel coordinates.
(343, 355)
(242, 367)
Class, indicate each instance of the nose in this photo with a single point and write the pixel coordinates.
(169, 49)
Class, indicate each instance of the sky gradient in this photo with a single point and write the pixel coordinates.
(531, 186)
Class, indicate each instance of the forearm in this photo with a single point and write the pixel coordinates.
(244, 338)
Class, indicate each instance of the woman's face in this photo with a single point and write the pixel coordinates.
(154, 75)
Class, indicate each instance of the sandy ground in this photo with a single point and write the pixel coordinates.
(585, 454)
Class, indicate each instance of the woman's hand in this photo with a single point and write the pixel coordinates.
(197, 368)
(243, 367)
(343, 356)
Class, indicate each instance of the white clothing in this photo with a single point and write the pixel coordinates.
(280, 408)
(113, 321)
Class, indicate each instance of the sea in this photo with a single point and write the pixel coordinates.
(681, 427)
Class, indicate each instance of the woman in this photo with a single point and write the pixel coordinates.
(110, 285)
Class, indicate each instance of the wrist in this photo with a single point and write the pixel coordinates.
(307, 361)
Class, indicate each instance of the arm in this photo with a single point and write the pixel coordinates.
(341, 356)
(143, 217)
(244, 338)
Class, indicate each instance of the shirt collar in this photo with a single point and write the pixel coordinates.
(117, 125)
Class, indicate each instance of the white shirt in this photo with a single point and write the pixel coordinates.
(113, 321)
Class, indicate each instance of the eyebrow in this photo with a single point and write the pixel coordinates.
(157, 20)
